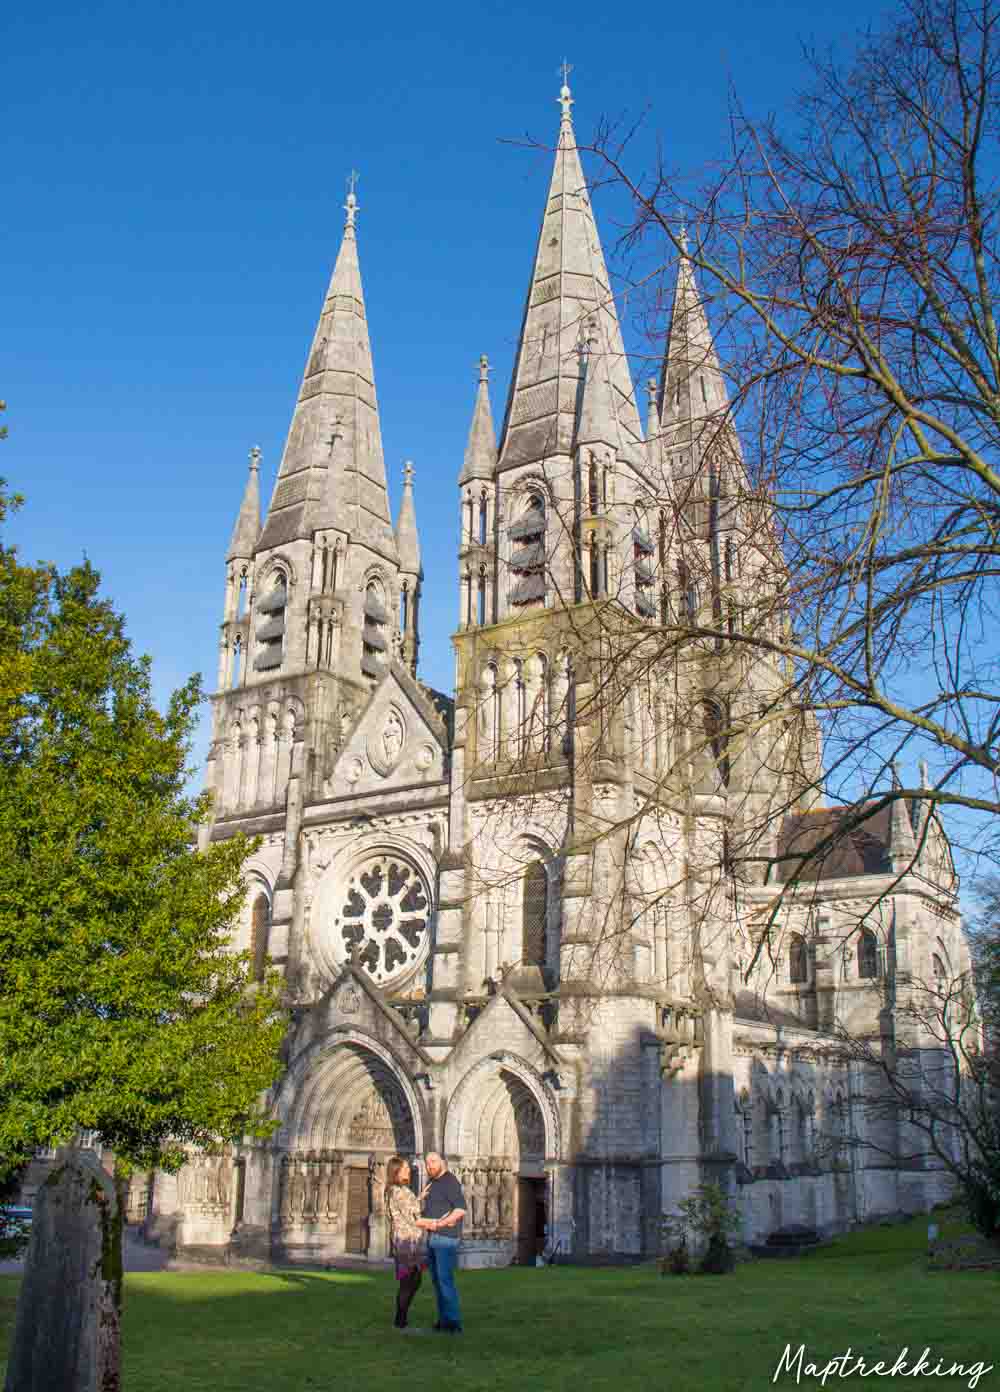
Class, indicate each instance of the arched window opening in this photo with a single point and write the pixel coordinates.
(374, 643)
(237, 658)
(482, 520)
(868, 963)
(798, 960)
(260, 929)
(270, 632)
(940, 972)
(592, 494)
(404, 606)
(714, 724)
(241, 602)
(528, 554)
(467, 520)
(481, 597)
(534, 911)
(642, 564)
(689, 606)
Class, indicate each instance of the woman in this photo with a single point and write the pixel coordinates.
(406, 1234)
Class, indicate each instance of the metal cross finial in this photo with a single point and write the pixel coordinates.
(351, 206)
(255, 458)
(484, 369)
(565, 96)
(408, 474)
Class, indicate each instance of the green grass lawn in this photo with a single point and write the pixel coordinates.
(573, 1330)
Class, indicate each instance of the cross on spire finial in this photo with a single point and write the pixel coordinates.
(408, 472)
(255, 459)
(484, 369)
(565, 96)
(351, 206)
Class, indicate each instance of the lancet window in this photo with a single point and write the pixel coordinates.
(270, 632)
(528, 554)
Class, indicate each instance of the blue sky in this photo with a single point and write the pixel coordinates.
(173, 179)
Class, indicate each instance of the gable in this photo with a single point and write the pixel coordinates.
(396, 743)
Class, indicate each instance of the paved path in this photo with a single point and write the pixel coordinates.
(137, 1255)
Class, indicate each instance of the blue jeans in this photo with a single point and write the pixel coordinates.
(442, 1254)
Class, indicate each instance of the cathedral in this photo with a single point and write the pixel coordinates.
(507, 919)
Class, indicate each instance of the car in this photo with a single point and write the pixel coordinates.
(16, 1215)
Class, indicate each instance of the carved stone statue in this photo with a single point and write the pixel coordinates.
(392, 737)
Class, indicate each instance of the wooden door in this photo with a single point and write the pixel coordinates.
(358, 1209)
(526, 1219)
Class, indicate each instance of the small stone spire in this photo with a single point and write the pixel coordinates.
(481, 450)
(247, 529)
(902, 846)
(407, 540)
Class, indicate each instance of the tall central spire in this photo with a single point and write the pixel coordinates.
(332, 472)
(569, 285)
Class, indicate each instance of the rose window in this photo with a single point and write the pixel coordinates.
(383, 914)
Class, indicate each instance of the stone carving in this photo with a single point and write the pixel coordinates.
(382, 1122)
(311, 1188)
(204, 1183)
(392, 737)
(425, 757)
(489, 1192)
(354, 770)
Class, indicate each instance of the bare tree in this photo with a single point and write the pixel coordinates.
(811, 604)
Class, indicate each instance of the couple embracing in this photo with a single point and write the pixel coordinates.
(425, 1231)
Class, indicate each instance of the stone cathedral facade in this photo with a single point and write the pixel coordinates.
(496, 913)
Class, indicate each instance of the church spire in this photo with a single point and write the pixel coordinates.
(332, 472)
(569, 283)
(247, 528)
(481, 450)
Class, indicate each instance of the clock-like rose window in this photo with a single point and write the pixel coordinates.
(383, 911)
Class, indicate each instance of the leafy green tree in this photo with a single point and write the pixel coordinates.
(123, 1009)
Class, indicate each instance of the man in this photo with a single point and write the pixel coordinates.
(444, 1209)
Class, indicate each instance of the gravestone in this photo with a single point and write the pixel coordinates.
(66, 1333)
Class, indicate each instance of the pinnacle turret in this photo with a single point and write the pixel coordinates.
(247, 529)
(407, 541)
(481, 450)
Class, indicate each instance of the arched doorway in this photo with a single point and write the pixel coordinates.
(354, 1111)
(496, 1137)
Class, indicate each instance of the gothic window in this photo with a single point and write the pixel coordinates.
(481, 597)
(798, 960)
(270, 632)
(241, 603)
(528, 552)
(383, 916)
(260, 927)
(938, 968)
(404, 604)
(534, 909)
(374, 644)
(482, 520)
(237, 658)
(868, 964)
